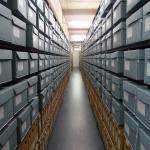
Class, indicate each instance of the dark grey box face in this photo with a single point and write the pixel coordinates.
(5, 62)
(129, 95)
(34, 108)
(147, 66)
(41, 62)
(32, 87)
(19, 7)
(108, 81)
(119, 35)
(146, 21)
(21, 64)
(5, 24)
(6, 106)
(118, 111)
(33, 63)
(24, 123)
(144, 139)
(21, 96)
(32, 37)
(42, 81)
(108, 61)
(40, 22)
(8, 138)
(119, 10)
(109, 41)
(131, 4)
(40, 5)
(41, 42)
(131, 129)
(134, 27)
(134, 64)
(143, 106)
(19, 32)
(43, 98)
(32, 11)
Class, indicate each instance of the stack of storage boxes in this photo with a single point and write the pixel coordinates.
(125, 70)
(30, 67)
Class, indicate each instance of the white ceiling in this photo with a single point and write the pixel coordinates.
(79, 15)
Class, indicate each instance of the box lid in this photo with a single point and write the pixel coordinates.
(5, 135)
(117, 105)
(146, 9)
(117, 54)
(117, 3)
(5, 54)
(35, 102)
(17, 22)
(33, 80)
(134, 17)
(134, 54)
(5, 12)
(41, 36)
(22, 55)
(143, 94)
(32, 6)
(119, 27)
(5, 95)
(34, 56)
(109, 34)
(108, 75)
(24, 114)
(42, 75)
(20, 87)
(129, 119)
(130, 87)
(117, 80)
(42, 56)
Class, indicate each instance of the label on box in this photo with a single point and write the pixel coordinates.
(129, 32)
(113, 110)
(32, 64)
(113, 87)
(141, 108)
(127, 130)
(127, 65)
(20, 66)
(33, 112)
(40, 43)
(106, 62)
(102, 61)
(47, 79)
(106, 81)
(46, 62)
(115, 38)
(147, 23)
(24, 127)
(148, 69)
(41, 25)
(126, 96)
(2, 113)
(18, 100)
(0, 69)
(115, 14)
(31, 90)
(41, 63)
(16, 32)
(42, 82)
(113, 63)
(6, 146)
(30, 13)
(142, 147)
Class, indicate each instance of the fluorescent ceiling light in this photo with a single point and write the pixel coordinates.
(77, 49)
(79, 24)
(77, 37)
